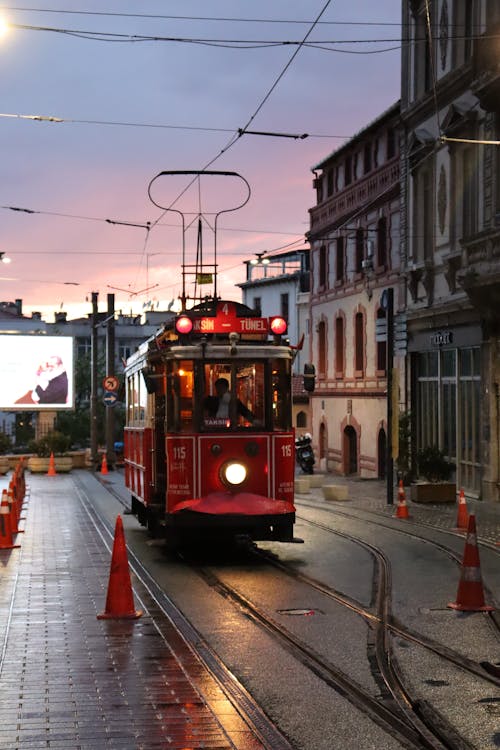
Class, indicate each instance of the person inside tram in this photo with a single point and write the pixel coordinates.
(217, 406)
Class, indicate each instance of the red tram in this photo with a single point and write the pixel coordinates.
(209, 445)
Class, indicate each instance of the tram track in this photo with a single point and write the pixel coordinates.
(425, 724)
(397, 628)
(375, 520)
(395, 712)
(167, 617)
(409, 719)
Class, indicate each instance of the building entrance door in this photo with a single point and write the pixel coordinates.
(350, 451)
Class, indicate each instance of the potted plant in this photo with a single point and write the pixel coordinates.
(5, 447)
(435, 473)
(52, 443)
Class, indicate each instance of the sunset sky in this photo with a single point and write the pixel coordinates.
(132, 106)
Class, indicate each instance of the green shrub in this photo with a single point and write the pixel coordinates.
(5, 443)
(53, 442)
(433, 465)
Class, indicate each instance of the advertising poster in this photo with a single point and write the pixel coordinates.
(36, 372)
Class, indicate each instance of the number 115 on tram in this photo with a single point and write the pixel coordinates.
(209, 446)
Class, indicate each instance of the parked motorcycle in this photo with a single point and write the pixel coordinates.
(304, 453)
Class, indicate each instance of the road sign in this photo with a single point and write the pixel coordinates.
(110, 398)
(111, 383)
(380, 330)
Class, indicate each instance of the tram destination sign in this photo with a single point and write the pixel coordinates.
(230, 324)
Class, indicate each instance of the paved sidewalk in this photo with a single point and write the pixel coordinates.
(371, 494)
(73, 682)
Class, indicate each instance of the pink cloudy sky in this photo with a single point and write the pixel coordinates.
(180, 104)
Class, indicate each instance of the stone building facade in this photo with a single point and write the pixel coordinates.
(355, 236)
(450, 240)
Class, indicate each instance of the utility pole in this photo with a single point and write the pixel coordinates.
(110, 371)
(387, 302)
(93, 385)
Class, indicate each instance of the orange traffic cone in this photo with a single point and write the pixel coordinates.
(104, 465)
(462, 515)
(470, 594)
(52, 466)
(14, 511)
(6, 538)
(119, 599)
(402, 509)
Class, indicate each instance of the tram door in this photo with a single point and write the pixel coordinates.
(159, 456)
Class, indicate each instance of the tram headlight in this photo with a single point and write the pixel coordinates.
(233, 473)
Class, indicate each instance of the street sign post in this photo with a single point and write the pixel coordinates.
(110, 383)
(110, 398)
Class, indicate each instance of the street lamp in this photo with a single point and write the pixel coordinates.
(259, 260)
(4, 258)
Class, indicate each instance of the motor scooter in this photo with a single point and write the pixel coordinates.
(304, 453)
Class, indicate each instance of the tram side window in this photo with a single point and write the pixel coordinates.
(281, 404)
(137, 396)
(180, 397)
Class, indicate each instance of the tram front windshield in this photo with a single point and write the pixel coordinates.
(218, 396)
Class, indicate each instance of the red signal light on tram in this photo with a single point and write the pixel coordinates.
(183, 325)
(278, 326)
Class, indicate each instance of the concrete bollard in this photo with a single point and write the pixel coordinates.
(335, 492)
(316, 480)
(302, 485)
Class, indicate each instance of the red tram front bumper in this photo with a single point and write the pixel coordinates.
(242, 513)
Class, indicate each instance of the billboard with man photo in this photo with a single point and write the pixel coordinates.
(36, 372)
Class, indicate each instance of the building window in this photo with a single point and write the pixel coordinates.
(382, 242)
(323, 267)
(284, 305)
(470, 191)
(257, 305)
(348, 170)
(339, 347)
(359, 250)
(492, 11)
(359, 344)
(465, 31)
(339, 260)
(497, 167)
(421, 56)
(448, 408)
(124, 351)
(391, 143)
(301, 419)
(423, 219)
(367, 158)
(83, 347)
(322, 349)
(329, 182)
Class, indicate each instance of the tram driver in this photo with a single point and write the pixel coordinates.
(217, 406)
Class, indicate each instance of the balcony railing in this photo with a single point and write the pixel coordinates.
(353, 198)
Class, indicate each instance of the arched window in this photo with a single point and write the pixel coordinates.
(301, 419)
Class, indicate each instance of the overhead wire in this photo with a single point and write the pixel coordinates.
(243, 44)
